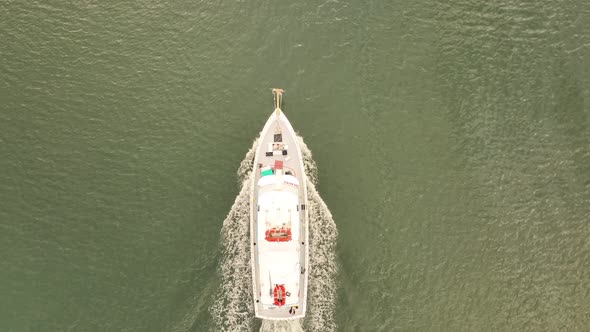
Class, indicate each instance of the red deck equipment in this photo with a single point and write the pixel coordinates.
(278, 235)
(279, 295)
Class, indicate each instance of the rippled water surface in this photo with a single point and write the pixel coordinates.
(451, 144)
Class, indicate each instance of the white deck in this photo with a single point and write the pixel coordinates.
(278, 201)
(278, 262)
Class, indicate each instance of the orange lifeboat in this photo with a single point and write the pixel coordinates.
(279, 295)
(278, 234)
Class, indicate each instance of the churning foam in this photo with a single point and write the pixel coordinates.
(233, 309)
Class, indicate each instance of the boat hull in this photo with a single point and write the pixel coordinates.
(279, 257)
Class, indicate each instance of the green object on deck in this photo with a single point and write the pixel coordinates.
(267, 172)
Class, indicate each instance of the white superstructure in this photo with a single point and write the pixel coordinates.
(278, 222)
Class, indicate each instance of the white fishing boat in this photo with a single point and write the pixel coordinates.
(279, 221)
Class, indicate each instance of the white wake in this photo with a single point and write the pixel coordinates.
(233, 309)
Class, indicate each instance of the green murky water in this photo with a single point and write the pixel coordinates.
(452, 142)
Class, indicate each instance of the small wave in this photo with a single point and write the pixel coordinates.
(281, 326)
